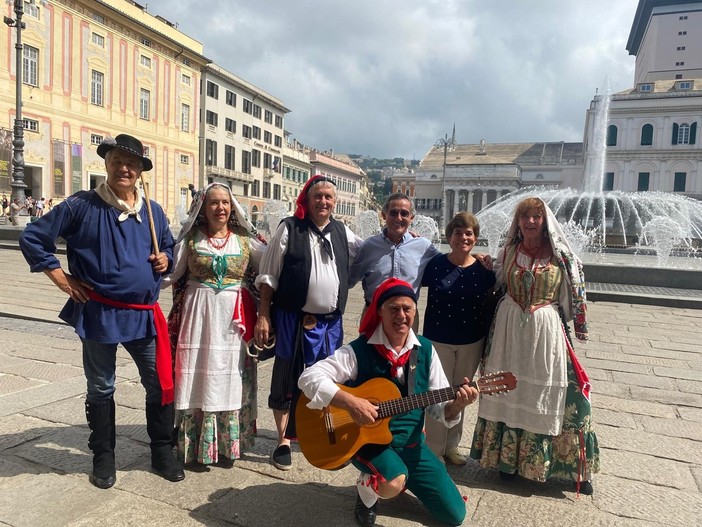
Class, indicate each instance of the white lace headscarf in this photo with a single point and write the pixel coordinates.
(196, 214)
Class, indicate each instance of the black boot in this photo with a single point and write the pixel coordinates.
(365, 516)
(101, 420)
(159, 425)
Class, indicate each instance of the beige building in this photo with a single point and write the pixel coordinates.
(476, 175)
(296, 170)
(653, 129)
(241, 131)
(350, 181)
(96, 69)
(666, 39)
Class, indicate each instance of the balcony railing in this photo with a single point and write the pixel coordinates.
(231, 174)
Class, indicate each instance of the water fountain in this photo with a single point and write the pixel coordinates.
(610, 219)
(426, 227)
(663, 234)
(493, 227)
(367, 224)
(579, 237)
(273, 213)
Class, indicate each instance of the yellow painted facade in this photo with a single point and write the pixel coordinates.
(95, 69)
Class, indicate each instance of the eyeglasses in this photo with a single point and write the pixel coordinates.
(399, 212)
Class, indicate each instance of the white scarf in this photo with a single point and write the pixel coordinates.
(199, 201)
(108, 196)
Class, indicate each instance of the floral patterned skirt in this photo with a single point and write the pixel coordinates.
(572, 455)
(209, 437)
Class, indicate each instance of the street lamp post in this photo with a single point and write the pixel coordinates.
(447, 144)
(17, 182)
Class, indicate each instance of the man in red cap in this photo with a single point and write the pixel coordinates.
(388, 348)
(113, 282)
(304, 277)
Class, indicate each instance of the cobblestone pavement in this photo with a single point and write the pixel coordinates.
(645, 364)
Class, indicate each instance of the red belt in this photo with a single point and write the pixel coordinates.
(164, 368)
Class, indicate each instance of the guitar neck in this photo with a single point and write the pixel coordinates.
(417, 400)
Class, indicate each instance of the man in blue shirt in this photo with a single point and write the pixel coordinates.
(113, 283)
(394, 253)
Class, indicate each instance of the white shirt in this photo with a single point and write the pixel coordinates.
(323, 287)
(319, 381)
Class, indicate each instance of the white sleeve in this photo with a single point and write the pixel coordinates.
(272, 260)
(319, 381)
(438, 380)
(355, 242)
(256, 252)
(180, 263)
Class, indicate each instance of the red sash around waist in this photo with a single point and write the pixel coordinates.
(164, 368)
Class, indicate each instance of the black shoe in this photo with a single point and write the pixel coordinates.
(585, 488)
(159, 425)
(506, 476)
(282, 457)
(365, 516)
(166, 466)
(102, 483)
(225, 462)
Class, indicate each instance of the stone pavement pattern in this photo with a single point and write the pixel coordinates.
(645, 365)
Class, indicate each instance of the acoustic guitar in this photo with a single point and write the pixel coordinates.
(330, 437)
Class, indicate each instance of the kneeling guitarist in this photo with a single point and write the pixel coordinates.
(388, 348)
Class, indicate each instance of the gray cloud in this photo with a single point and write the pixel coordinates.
(389, 77)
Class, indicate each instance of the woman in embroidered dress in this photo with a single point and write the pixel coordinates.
(211, 322)
(543, 428)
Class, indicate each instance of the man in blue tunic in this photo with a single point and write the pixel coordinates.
(113, 282)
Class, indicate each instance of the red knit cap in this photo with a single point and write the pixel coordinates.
(387, 289)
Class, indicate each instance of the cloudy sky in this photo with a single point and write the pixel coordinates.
(387, 78)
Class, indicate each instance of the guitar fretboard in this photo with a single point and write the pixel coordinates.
(418, 400)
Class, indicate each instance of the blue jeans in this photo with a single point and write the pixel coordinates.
(99, 365)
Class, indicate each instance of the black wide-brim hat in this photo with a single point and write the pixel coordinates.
(128, 144)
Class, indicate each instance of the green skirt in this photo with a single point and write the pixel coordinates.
(572, 455)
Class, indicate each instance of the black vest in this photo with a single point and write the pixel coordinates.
(294, 279)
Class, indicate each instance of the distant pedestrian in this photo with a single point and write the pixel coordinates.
(29, 204)
(4, 203)
(113, 285)
(39, 205)
(15, 208)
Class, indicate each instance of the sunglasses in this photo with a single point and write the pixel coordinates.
(398, 212)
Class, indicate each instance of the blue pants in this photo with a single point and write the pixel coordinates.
(99, 365)
(295, 349)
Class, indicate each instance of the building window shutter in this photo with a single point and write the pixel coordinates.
(611, 135)
(675, 134)
(647, 135)
(693, 133)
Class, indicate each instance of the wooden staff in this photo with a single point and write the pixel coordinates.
(150, 215)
